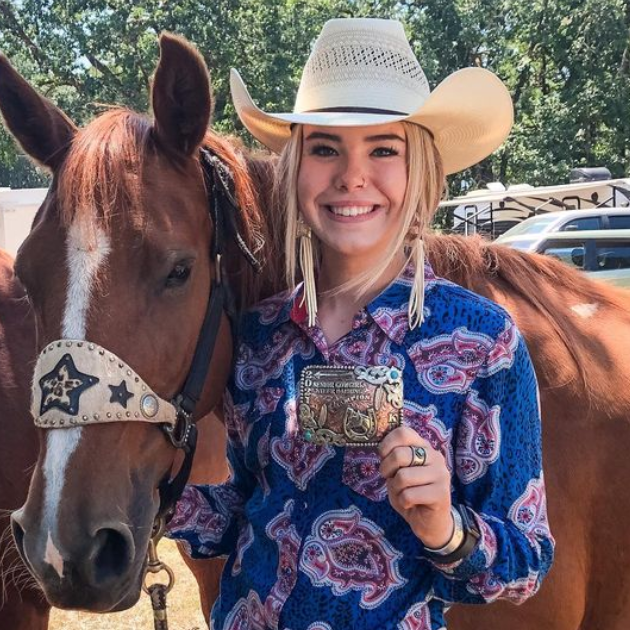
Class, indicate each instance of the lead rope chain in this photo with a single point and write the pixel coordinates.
(158, 591)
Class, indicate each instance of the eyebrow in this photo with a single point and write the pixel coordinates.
(320, 135)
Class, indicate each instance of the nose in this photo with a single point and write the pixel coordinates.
(109, 557)
(351, 175)
(99, 561)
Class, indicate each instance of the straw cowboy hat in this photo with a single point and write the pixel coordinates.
(363, 72)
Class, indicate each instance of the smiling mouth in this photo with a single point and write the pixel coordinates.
(351, 211)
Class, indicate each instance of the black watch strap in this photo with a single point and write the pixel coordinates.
(471, 537)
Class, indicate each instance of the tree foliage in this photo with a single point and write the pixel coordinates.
(566, 63)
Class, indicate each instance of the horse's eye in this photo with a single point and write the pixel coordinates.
(179, 274)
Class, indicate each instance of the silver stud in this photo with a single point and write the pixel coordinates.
(128, 414)
(136, 379)
(44, 352)
(84, 418)
(149, 405)
(119, 415)
(62, 422)
(53, 423)
(68, 344)
(80, 344)
(51, 347)
(96, 416)
(73, 420)
(144, 388)
(112, 359)
(91, 346)
(109, 415)
(101, 352)
(128, 372)
(136, 414)
(59, 344)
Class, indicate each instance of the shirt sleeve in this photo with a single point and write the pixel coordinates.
(209, 518)
(498, 478)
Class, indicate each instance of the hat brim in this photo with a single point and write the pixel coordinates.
(469, 115)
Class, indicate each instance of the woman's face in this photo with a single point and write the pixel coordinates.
(351, 187)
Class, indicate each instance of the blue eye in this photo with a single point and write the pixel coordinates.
(385, 152)
(323, 150)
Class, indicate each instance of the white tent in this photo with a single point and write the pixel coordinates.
(17, 211)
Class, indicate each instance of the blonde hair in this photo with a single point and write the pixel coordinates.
(425, 187)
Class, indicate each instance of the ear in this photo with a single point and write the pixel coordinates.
(181, 97)
(41, 128)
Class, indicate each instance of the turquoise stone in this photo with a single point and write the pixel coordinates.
(308, 435)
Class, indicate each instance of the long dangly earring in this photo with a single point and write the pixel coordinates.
(308, 270)
(416, 299)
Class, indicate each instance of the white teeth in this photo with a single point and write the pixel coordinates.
(351, 211)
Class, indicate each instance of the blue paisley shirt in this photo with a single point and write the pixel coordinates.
(311, 540)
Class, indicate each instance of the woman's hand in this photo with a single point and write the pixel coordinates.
(420, 494)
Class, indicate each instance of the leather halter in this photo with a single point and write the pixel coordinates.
(59, 384)
(223, 208)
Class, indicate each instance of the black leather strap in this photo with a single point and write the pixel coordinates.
(193, 386)
(222, 208)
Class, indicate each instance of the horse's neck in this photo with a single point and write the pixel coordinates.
(575, 329)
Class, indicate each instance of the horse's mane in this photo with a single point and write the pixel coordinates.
(554, 290)
(102, 177)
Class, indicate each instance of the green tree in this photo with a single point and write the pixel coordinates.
(565, 62)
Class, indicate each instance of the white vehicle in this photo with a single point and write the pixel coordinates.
(529, 233)
(601, 254)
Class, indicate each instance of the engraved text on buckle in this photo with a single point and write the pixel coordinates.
(349, 406)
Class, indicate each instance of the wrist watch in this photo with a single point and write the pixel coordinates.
(462, 542)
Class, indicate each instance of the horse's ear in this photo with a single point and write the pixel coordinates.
(182, 103)
(42, 129)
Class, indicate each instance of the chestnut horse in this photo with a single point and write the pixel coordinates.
(127, 267)
(124, 230)
(22, 604)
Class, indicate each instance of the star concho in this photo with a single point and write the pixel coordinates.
(349, 406)
(62, 387)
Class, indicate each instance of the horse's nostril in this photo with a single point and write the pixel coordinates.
(112, 554)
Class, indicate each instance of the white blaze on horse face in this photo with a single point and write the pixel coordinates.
(87, 250)
(53, 557)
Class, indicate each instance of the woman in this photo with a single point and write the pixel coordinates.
(384, 430)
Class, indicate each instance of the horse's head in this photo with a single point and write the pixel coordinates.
(118, 268)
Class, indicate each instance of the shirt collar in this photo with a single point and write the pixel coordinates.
(389, 309)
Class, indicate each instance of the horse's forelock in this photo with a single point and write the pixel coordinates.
(102, 173)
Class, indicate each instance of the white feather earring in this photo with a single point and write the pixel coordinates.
(416, 299)
(307, 266)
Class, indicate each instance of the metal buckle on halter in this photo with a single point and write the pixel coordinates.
(179, 432)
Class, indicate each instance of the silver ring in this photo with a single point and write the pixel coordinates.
(418, 456)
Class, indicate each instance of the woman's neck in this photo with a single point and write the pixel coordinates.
(337, 270)
(336, 310)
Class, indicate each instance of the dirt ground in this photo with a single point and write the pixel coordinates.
(184, 611)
